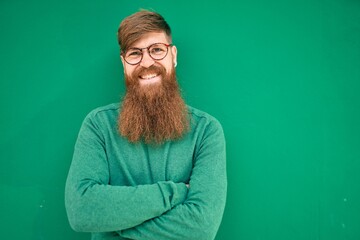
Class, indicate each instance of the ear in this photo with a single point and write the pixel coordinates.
(174, 55)
(123, 62)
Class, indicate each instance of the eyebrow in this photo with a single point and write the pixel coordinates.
(150, 45)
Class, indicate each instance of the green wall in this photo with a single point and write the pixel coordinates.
(283, 77)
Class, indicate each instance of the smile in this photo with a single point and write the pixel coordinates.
(149, 78)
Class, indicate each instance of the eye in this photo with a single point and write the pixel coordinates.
(157, 50)
(133, 53)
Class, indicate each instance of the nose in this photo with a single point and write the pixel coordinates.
(146, 61)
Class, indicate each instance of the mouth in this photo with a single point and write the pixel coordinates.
(149, 78)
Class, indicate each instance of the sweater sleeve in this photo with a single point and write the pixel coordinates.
(200, 215)
(93, 205)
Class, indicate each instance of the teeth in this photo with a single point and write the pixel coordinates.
(148, 76)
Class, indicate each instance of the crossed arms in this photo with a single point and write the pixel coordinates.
(163, 210)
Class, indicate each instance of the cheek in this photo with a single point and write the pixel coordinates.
(168, 65)
(128, 70)
(170, 68)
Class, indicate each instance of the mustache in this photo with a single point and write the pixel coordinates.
(157, 69)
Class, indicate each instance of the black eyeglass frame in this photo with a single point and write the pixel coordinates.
(123, 54)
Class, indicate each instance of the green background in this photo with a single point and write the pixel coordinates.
(283, 77)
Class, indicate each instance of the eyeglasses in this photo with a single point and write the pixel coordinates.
(157, 51)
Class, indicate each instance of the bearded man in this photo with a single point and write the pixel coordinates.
(150, 167)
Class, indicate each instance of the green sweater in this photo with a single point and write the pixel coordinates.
(119, 190)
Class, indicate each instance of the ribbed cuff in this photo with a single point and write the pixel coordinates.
(180, 194)
(173, 193)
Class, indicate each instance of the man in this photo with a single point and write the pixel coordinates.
(150, 167)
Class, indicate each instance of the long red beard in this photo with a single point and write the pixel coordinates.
(153, 113)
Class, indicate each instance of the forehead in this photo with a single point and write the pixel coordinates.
(151, 38)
